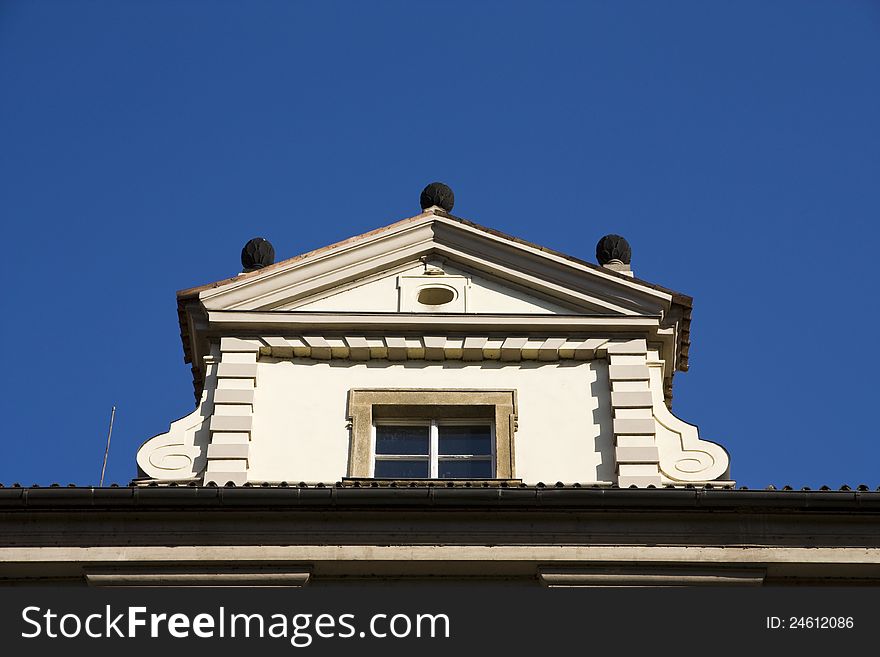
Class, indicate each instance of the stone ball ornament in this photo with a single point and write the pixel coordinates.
(257, 253)
(613, 247)
(437, 194)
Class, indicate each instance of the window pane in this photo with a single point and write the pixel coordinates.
(476, 440)
(401, 440)
(401, 469)
(465, 469)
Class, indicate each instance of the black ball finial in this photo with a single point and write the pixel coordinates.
(437, 194)
(613, 247)
(257, 253)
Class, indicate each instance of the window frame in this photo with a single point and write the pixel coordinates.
(497, 408)
(434, 456)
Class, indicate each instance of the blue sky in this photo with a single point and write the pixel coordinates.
(735, 144)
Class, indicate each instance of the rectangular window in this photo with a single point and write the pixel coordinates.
(431, 433)
(435, 449)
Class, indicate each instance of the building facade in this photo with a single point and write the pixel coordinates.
(551, 368)
(435, 401)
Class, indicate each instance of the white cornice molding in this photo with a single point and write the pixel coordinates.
(567, 293)
(448, 322)
(470, 348)
(322, 270)
(247, 324)
(446, 233)
(231, 322)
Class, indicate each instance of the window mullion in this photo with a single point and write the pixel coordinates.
(434, 449)
(372, 450)
(493, 450)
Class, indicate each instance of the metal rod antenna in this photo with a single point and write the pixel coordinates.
(107, 451)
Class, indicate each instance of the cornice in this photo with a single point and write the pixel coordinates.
(545, 273)
(218, 324)
(547, 498)
(503, 323)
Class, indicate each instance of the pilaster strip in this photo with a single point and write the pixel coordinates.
(237, 370)
(237, 345)
(233, 396)
(638, 347)
(638, 399)
(630, 426)
(628, 373)
(635, 439)
(232, 421)
(637, 454)
(228, 451)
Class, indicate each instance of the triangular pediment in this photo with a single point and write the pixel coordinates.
(457, 289)
(432, 272)
(388, 270)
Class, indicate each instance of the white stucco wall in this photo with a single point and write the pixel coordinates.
(300, 426)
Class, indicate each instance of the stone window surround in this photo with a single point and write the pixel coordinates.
(366, 403)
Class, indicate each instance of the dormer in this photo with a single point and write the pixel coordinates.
(434, 349)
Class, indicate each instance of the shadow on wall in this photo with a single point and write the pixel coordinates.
(600, 389)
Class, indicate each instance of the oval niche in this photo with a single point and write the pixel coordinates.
(435, 295)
